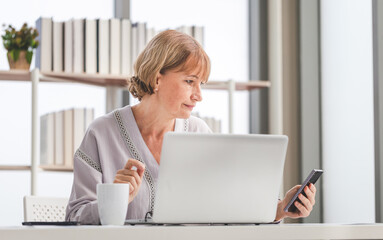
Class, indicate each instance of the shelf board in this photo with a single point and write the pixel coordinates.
(115, 80)
(56, 168)
(28, 167)
(15, 75)
(15, 167)
(86, 78)
(224, 85)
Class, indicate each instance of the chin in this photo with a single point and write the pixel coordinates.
(184, 115)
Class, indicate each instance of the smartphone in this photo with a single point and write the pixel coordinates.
(312, 178)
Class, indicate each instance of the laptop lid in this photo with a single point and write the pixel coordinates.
(219, 178)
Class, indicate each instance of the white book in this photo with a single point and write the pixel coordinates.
(68, 46)
(44, 50)
(90, 46)
(59, 138)
(43, 140)
(78, 45)
(210, 122)
(103, 46)
(47, 144)
(134, 45)
(58, 46)
(198, 34)
(219, 130)
(89, 117)
(141, 37)
(68, 138)
(115, 46)
(78, 127)
(215, 126)
(126, 36)
(187, 29)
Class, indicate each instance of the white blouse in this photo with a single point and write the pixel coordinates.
(107, 145)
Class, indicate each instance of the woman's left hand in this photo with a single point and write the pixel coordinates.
(304, 209)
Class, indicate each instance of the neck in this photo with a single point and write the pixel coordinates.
(151, 119)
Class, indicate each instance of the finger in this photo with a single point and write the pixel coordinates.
(313, 188)
(116, 180)
(310, 195)
(303, 211)
(135, 163)
(127, 179)
(131, 188)
(130, 173)
(305, 202)
(134, 174)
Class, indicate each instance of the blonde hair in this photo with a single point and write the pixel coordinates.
(168, 50)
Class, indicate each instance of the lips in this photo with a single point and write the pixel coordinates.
(189, 106)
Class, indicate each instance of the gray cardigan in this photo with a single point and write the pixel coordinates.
(107, 145)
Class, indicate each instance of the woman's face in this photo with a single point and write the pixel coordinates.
(179, 92)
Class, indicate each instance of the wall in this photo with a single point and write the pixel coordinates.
(347, 111)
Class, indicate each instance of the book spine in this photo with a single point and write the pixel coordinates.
(68, 138)
(68, 46)
(78, 45)
(58, 28)
(115, 46)
(103, 46)
(59, 138)
(126, 29)
(90, 46)
(44, 50)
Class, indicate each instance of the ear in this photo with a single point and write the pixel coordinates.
(158, 80)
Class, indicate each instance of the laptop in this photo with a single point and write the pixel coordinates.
(218, 178)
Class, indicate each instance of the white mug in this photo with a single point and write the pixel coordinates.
(113, 200)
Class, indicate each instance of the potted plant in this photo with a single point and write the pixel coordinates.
(20, 45)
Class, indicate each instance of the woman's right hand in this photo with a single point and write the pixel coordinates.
(132, 174)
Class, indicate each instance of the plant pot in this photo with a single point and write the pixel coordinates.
(21, 62)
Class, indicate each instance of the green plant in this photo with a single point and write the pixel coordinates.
(21, 40)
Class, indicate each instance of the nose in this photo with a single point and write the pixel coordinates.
(197, 94)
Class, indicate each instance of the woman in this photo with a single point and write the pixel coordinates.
(125, 146)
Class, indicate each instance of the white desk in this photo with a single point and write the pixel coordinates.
(280, 231)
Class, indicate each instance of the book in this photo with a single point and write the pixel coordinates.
(102, 46)
(90, 46)
(44, 50)
(68, 138)
(78, 127)
(115, 46)
(150, 33)
(186, 29)
(68, 46)
(198, 34)
(134, 47)
(78, 45)
(59, 138)
(89, 117)
(126, 35)
(58, 46)
(47, 139)
(43, 139)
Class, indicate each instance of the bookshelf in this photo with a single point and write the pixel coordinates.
(35, 76)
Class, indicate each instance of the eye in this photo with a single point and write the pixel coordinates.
(189, 81)
(202, 83)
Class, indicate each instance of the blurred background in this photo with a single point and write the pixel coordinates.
(323, 59)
